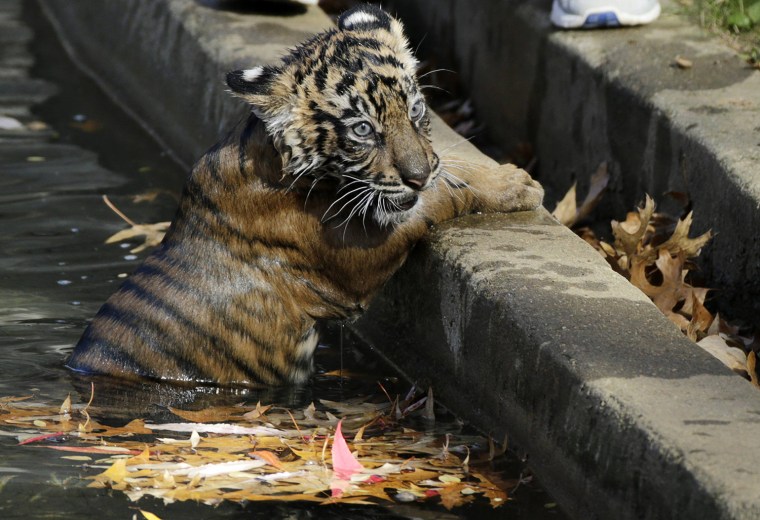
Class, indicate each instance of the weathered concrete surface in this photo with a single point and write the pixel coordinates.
(518, 324)
(528, 330)
(583, 97)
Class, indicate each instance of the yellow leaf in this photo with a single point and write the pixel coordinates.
(142, 458)
(116, 472)
(149, 516)
(66, 405)
(208, 415)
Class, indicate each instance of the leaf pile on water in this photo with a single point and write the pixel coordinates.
(654, 252)
(254, 453)
(153, 233)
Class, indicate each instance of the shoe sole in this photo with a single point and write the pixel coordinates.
(600, 17)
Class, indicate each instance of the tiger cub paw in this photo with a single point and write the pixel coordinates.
(515, 190)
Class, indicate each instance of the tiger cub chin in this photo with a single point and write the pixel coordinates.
(301, 214)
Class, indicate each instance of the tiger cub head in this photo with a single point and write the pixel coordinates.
(345, 107)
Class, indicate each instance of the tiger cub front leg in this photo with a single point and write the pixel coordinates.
(503, 188)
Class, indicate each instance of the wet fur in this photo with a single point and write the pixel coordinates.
(287, 222)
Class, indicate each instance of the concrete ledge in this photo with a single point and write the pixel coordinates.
(583, 97)
(519, 324)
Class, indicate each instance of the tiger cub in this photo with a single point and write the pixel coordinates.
(299, 215)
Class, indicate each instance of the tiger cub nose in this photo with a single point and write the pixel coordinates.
(414, 171)
(415, 184)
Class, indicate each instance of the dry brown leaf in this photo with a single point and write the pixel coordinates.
(568, 212)
(701, 318)
(258, 413)
(629, 233)
(752, 368)
(680, 243)
(208, 415)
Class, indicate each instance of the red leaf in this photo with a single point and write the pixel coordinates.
(41, 438)
(344, 463)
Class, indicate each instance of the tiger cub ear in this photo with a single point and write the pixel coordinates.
(258, 86)
(365, 17)
(256, 81)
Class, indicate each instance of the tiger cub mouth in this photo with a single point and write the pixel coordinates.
(404, 203)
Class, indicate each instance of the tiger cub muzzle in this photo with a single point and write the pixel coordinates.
(414, 165)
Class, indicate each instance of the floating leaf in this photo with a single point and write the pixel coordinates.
(343, 462)
(152, 234)
(9, 123)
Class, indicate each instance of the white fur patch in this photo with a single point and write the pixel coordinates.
(252, 74)
(306, 348)
(357, 18)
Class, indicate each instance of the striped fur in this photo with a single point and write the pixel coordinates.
(300, 214)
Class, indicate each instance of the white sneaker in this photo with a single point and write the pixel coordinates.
(588, 14)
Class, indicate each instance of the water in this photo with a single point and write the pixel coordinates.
(55, 271)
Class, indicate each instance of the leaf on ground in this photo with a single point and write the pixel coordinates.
(566, 209)
(752, 368)
(629, 233)
(734, 358)
(568, 212)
